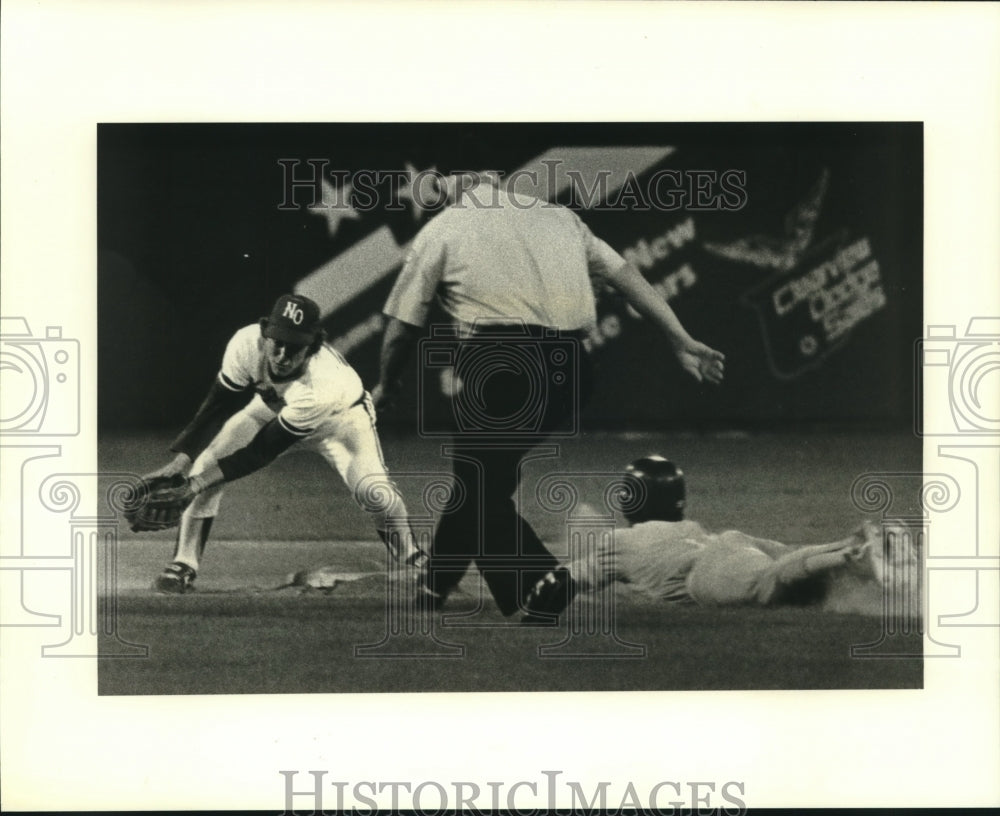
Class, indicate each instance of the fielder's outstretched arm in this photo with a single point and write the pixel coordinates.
(271, 441)
(169, 503)
(222, 401)
(699, 360)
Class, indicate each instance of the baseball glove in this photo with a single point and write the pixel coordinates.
(159, 503)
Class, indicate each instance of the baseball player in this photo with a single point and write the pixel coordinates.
(671, 559)
(511, 270)
(280, 385)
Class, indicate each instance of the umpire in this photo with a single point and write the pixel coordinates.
(514, 274)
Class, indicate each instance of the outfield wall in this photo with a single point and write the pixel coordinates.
(794, 249)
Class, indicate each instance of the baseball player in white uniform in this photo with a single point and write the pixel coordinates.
(280, 385)
(667, 558)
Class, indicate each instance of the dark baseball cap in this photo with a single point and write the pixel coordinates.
(294, 319)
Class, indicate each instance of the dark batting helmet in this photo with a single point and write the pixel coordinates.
(663, 484)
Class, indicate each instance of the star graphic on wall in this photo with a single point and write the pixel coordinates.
(335, 206)
(425, 191)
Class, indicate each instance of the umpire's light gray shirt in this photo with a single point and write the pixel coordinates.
(501, 257)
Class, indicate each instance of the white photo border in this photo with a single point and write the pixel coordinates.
(68, 66)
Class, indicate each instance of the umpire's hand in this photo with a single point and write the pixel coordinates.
(702, 362)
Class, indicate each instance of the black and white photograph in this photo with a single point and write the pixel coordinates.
(629, 382)
(499, 407)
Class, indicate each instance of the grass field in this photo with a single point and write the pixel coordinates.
(240, 634)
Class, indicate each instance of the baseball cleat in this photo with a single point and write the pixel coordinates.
(176, 579)
(548, 598)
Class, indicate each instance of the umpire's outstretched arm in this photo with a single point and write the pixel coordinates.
(700, 361)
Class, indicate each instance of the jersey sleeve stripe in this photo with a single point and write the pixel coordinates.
(228, 383)
(292, 429)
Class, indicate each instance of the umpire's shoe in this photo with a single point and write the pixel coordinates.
(176, 579)
(548, 598)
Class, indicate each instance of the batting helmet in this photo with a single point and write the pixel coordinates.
(663, 486)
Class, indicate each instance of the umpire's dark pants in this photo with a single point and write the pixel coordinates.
(501, 414)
